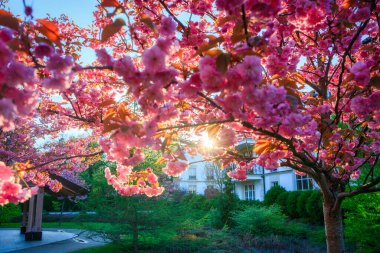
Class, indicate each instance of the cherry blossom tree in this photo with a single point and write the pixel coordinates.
(299, 77)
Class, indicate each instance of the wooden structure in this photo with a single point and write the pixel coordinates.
(31, 224)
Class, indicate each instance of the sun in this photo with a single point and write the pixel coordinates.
(206, 141)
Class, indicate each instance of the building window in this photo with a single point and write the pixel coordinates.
(192, 172)
(274, 183)
(304, 183)
(210, 171)
(257, 169)
(249, 192)
(192, 188)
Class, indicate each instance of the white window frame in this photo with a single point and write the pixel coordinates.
(304, 183)
(192, 188)
(249, 192)
(192, 172)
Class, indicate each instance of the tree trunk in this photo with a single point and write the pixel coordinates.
(333, 227)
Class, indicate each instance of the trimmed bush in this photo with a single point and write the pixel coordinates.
(314, 207)
(281, 201)
(301, 204)
(9, 213)
(259, 221)
(291, 204)
(272, 195)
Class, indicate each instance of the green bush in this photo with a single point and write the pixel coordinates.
(362, 221)
(9, 213)
(281, 201)
(301, 203)
(259, 221)
(291, 204)
(314, 207)
(272, 195)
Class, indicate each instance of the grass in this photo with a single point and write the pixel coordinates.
(114, 248)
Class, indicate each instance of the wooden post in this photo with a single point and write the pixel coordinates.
(29, 232)
(38, 214)
(33, 229)
(24, 217)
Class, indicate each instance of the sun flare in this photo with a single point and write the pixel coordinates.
(206, 141)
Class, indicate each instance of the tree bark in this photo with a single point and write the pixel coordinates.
(333, 226)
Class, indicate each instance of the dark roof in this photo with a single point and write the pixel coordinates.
(68, 188)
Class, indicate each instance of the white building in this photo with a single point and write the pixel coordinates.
(260, 180)
(202, 175)
(199, 176)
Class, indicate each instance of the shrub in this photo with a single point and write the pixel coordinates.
(301, 203)
(272, 195)
(291, 204)
(362, 217)
(314, 207)
(9, 213)
(281, 201)
(259, 221)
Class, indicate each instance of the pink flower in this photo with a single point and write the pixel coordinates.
(7, 111)
(61, 64)
(60, 82)
(103, 57)
(6, 34)
(18, 73)
(250, 70)
(263, 8)
(238, 174)
(168, 27)
(152, 192)
(360, 106)
(212, 79)
(6, 173)
(43, 49)
(152, 178)
(175, 168)
(154, 59)
(361, 73)
(229, 5)
(5, 54)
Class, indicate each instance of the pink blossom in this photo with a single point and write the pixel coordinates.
(5, 54)
(152, 192)
(7, 111)
(360, 106)
(154, 59)
(43, 49)
(168, 27)
(175, 168)
(6, 34)
(264, 8)
(152, 178)
(60, 64)
(238, 174)
(361, 73)
(103, 57)
(250, 70)
(6, 173)
(60, 82)
(229, 5)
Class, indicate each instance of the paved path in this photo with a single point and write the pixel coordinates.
(53, 240)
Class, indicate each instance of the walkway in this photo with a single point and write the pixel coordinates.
(53, 240)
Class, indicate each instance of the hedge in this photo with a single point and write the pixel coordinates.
(297, 204)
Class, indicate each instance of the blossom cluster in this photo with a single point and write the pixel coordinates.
(10, 190)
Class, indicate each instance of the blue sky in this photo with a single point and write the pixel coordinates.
(78, 10)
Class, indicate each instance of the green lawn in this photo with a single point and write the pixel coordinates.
(114, 248)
